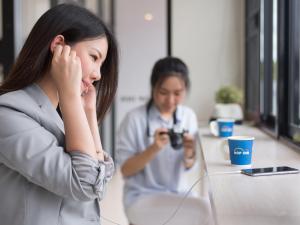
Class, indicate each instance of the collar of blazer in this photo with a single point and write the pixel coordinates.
(33, 102)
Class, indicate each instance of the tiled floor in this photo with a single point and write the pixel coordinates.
(112, 211)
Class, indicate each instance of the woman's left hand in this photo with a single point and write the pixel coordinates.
(189, 149)
(89, 99)
(89, 105)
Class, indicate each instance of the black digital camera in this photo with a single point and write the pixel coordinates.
(176, 138)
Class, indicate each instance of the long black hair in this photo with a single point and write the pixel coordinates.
(75, 24)
(165, 68)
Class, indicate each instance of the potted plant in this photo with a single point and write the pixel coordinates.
(228, 104)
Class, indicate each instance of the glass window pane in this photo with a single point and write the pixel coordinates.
(261, 47)
(299, 97)
(274, 60)
(297, 70)
(297, 119)
(295, 108)
(1, 73)
(1, 21)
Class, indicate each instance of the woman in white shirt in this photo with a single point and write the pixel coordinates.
(156, 144)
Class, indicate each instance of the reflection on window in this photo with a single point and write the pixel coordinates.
(1, 73)
(1, 21)
(261, 47)
(295, 69)
(296, 91)
(274, 59)
(298, 116)
(297, 96)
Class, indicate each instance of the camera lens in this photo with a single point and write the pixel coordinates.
(176, 140)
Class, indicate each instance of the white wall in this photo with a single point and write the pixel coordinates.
(26, 14)
(209, 37)
(141, 43)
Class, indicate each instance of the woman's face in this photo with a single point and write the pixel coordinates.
(92, 54)
(169, 94)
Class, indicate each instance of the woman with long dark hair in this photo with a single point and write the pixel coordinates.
(53, 170)
(156, 145)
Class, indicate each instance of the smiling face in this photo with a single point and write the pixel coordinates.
(92, 54)
(169, 94)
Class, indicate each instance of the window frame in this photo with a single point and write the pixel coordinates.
(266, 67)
(294, 69)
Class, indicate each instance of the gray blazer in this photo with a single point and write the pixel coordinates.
(41, 184)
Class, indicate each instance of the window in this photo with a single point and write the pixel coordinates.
(274, 57)
(1, 21)
(1, 35)
(1, 73)
(252, 79)
(262, 55)
(268, 62)
(278, 67)
(294, 81)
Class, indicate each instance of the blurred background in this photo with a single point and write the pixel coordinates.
(251, 45)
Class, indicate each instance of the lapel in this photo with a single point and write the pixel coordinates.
(46, 108)
(33, 102)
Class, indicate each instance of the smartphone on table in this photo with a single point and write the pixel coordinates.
(269, 171)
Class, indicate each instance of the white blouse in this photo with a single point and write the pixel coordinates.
(163, 172)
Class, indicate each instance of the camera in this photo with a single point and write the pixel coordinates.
(176, 138)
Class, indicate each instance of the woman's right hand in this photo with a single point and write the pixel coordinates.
(66, 71)
(161, 138)
(137, 162)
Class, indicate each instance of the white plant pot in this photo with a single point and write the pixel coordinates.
(232, 110)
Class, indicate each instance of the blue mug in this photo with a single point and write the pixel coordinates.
(240, 150)
(222, 127)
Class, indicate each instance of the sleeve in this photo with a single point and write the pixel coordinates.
(126, 140)
(193, 129)
(93, 173)
(34, 152)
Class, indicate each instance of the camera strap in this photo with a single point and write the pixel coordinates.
(175, 121)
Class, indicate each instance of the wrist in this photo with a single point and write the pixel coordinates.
(70, 105)
(69, 98)
(154, 147)
(67, 94)
(90, 109)
(188, 162)
(91, 115)
(190, 155)
(100, 155)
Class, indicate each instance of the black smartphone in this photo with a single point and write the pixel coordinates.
(269, 171)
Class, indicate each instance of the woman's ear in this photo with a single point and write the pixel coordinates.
(57, 40)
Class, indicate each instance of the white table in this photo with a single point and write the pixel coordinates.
(238, 199)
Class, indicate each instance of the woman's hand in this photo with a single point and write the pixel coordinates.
(89, 99)
(89, 105)
(161, 138)
(137, 162)
(66, 71)
(189, 150)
